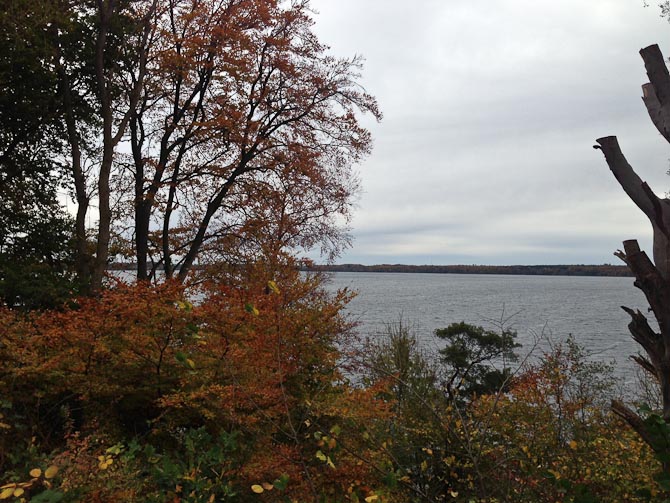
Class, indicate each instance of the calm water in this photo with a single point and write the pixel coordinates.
(550, 307)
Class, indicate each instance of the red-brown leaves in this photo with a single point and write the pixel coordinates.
(246, 123)
(256, 356)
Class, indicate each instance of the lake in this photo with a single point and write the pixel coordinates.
(545, 307)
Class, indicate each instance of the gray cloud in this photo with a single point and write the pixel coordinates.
(491, 109)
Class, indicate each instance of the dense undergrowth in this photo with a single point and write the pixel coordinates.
(246, 395)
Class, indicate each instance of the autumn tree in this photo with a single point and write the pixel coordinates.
(240, 127)
(36, 258)
(245, 130)
(71, 75)
(550, 437)
(119, 34)
(653, 278)
(225, 396)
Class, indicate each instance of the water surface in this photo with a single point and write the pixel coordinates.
(545, 307)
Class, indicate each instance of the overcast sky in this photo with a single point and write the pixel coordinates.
(491, 108)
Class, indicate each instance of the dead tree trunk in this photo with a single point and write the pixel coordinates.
(653, 278)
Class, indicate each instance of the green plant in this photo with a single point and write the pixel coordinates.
(476, 360)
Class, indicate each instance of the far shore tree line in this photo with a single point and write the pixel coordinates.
(529, 270)
(208, 143)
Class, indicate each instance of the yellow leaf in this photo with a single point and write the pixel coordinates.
(51, 472)
(372, 498)
(273, 286)
(454, 494)
(257, 489)
(573, 445)
(6, 493)
(190, 363)
(18, 492)
(555, 474)
(35, 472)
(428, 451)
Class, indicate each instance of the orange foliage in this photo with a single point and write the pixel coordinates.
(257, 358)
(246, 127)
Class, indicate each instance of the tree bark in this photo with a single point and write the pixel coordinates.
(656, 93)
(83, 257)
(653, 278)
(107, 9)
(656, 209)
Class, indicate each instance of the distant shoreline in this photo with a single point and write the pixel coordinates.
(520, 270)
(526, 270)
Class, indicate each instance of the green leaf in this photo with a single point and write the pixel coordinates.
(320, 456)
(644, 409)
(250, 308)
(48, 496)
(281, 483)
(644, 493)
(391, 480)
(115, 449)
(663, 480)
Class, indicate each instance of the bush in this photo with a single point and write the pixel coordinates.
(200, 401)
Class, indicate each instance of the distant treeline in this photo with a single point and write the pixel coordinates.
(537, 270)
(531, 270)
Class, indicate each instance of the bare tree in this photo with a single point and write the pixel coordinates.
(653, 278)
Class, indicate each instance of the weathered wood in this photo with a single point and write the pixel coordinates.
(645, 336)
(655, 288)
(624, 173)
(657, 71)
(634, 420)
(656, 93)
(653, 278)
(657, 210)
(645, 364)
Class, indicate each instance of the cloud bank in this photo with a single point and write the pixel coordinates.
(490, 112)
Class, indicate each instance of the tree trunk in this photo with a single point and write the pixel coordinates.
(105, 12)
(653, 278)
(107, 9)
(82, 257)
